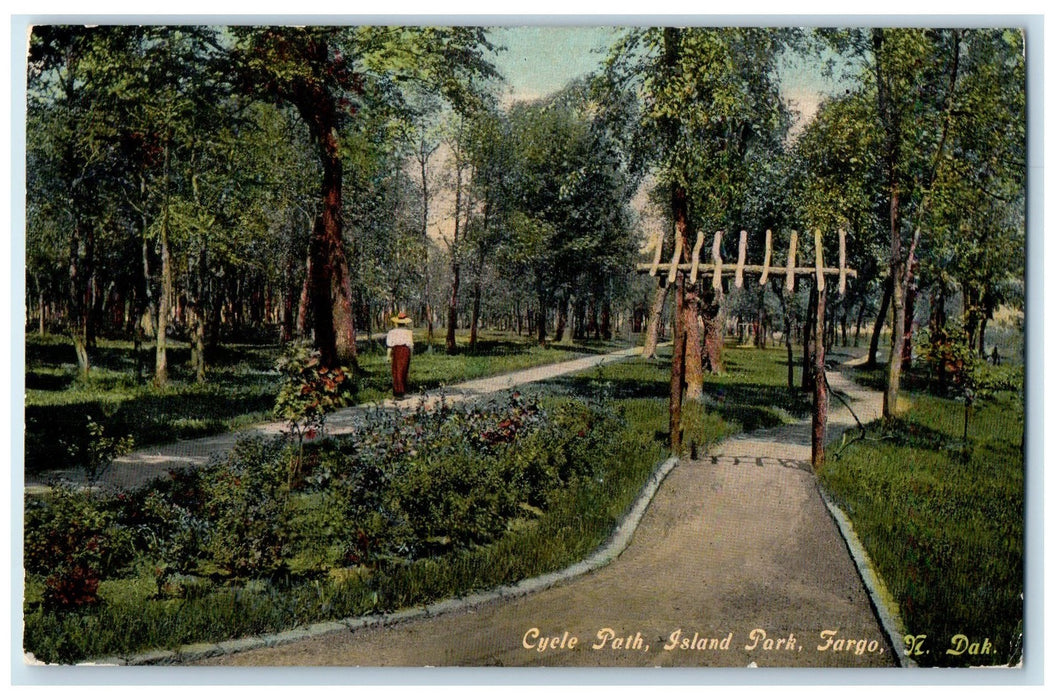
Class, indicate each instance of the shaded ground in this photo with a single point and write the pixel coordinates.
(140, 467)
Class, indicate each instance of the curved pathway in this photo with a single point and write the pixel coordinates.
(140, 467)
(736, 562)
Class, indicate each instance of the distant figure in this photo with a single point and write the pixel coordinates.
(995, 358)
(400, 342)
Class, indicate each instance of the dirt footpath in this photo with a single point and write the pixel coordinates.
(737, 561)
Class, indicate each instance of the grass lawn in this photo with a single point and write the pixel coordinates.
(319, 556)
(240, 389)
(943, 521)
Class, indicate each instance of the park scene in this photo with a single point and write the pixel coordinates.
(524, 346)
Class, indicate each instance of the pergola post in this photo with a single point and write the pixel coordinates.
(678, 266)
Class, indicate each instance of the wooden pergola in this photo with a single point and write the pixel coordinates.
(692, 266)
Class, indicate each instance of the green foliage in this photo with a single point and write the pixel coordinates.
(310, 390)
(411, 508)
(945, 534)
(375, 510)
(956, 370)
(96, 453)
(73, 543)
(245, 504)
(711, 114)
(241, 389)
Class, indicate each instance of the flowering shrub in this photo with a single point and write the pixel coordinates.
(403, 487)
(308, 392)
(73, 542)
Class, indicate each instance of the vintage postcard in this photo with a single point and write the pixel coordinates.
(436, 345)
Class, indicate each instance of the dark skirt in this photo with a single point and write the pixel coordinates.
(400, 367)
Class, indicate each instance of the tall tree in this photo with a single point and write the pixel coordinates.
(327, 73)
(710, 99)
(913, 74)
(73, 150)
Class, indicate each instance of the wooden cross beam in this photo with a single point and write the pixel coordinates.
(718, 269)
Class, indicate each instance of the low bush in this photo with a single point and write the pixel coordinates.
(246, 503)
(411, 507)
(73, 541)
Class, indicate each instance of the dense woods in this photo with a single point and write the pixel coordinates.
(264, 184)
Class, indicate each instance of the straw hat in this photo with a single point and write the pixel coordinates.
(401, 319)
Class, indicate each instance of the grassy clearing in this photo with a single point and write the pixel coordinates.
(943, 520)
(752, 393)
(240, 390)
(332, 558)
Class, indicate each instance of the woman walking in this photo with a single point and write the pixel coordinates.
(400, 342)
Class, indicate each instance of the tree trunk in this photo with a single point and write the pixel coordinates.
(164, 310)
(655, 316)
(452, 304)
(789, 324)
(540, 320)
(329, 287)
(683, 312)
(677, 366)
(810, 339)
(884, 306)
(713, 341)
(820, 385)
(693, 351)
(474, 322)
(910, 313)
(860, 321)
(606, 319)
(304, 303)
(197, 336)
(196, 317)
(562, 318)
(78, 306)
(897, 304)
(452, 308)
(970, 313)
(981, 335)
(290, 291)
(424, 153)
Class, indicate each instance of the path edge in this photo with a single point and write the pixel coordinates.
(883, 603)
(616, 543)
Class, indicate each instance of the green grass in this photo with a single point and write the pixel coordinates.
(133, 618)
(431, 368)
(240, 388)
(943, 521)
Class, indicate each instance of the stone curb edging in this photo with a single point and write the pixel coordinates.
(882, 602)
(617, 542)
